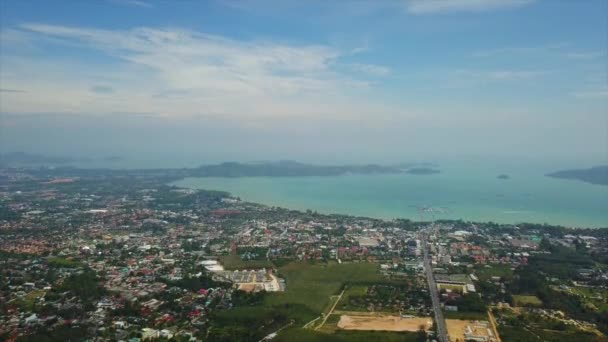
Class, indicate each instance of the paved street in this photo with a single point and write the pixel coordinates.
(442, 332)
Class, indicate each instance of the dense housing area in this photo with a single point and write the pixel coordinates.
(96, 255)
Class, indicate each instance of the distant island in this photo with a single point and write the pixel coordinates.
(422, 171)
(503, 176)
(286, 168)
(595, 175)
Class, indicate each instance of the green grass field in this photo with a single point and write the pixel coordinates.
(486, 273)
(352, 291)
(466, 315)
(63, 262)
(234, 262)
(312, 285)
(523, 300)
(309, 292)
(299, 334)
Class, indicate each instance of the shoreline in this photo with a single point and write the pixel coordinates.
(302, 207)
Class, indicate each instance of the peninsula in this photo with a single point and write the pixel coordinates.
(594, 175)
(287, 168)
(422, 171)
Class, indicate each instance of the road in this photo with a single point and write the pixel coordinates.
(274, 334)
(331, 310)
(442, 331)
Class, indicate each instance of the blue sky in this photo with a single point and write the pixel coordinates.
(314, 80)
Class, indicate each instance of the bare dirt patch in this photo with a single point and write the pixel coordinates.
(383, 322)
(458, 327)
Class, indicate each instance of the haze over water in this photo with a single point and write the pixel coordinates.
(463, 191)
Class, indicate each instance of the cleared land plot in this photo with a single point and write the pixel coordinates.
(451, 287)
(522, 300)
(457, 328)
(383, 323)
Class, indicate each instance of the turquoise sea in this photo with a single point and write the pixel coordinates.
(458, 192)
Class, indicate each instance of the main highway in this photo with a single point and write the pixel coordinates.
(442, 331)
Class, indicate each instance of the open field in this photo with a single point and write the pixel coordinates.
(488, 271)
(350, 293)
(384, 323)
(457, 328)
(451, 287)
(522, 300)
(63, 262)
(312, 284)
(234, 262)
(596, 298)
(299, 334)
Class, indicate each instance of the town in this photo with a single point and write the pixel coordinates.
(126, 256)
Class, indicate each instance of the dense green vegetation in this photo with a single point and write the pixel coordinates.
(84, 285)
(248, 323)
(299, 334)
(527, 326)
(563, 263)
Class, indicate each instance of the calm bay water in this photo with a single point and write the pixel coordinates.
(462, 192)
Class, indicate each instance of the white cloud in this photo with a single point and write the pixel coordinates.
(513, 75)
(476, 77)
(584, 55)
(370, 69)
(136, 3)
(175, 72)
(443, 6)
(592, 94)
(521, 50)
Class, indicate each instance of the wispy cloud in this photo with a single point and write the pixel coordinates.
(196, 73)
(136, 3)
(513, 75)
(500, 75)
(588, 55)
(601, 93)
(444, 6)
(101, 89)
(521, 50)
(370, 69)
(4, 90)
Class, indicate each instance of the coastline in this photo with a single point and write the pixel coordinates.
(348, 197)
